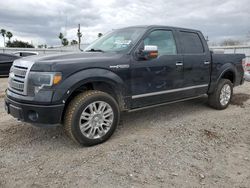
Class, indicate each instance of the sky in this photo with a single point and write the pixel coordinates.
(40, 22)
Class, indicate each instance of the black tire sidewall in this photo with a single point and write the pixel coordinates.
(78, 111)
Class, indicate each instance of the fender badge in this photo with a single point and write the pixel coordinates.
(119, 66)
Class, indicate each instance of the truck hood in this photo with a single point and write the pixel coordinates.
(60, 62)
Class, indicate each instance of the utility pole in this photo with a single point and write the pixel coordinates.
(79, 35)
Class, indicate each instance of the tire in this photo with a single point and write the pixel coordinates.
(216, 99)
(91, 118)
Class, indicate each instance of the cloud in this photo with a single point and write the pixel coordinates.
(41, 21)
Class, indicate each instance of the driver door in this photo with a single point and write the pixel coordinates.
(157, 80)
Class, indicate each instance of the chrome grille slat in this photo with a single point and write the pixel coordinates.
(20, 76)
(18, 79)
(17, 85)
(20, 67)
(19, 72)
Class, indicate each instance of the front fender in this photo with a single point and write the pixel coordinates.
(76, 80)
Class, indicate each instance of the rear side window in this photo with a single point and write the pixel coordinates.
(24, 54)
(164, 40)
(191, 43)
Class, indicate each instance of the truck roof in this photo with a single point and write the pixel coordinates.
(160, 26)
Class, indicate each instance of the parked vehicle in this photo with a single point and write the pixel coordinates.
(25, 53)
(128, 69)
(6, 61)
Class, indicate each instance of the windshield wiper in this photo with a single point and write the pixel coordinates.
(94, 50)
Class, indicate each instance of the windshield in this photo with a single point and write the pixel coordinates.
(117, 41)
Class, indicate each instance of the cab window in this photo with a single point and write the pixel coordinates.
(164, 40)
(191, 43)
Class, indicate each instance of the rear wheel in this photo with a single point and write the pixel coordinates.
(91, 117)
(222, 95)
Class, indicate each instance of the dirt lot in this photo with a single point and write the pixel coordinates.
(180, 145)
(3, 86)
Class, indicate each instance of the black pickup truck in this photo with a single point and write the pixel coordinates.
(128, 69)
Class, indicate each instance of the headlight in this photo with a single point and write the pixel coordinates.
(42, 79)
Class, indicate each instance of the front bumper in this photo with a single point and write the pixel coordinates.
(35, 114)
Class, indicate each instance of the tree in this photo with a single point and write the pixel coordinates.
(73, 42)
(19, 44)
(40, 46)
(212, 43)
(61, 36)
(65, 42)
(230, 42)
(100, 35)
(9, 35)
(3, 33)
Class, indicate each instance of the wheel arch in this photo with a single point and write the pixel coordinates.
(228, 74)
(107, 86)
(103, 80)
(227, 71)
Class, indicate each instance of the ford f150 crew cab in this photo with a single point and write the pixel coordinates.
(127, 69)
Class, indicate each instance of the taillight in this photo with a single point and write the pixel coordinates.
(244, 65)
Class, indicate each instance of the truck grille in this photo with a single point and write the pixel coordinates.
(17, 79)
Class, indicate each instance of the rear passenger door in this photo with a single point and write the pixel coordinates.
(197, 61)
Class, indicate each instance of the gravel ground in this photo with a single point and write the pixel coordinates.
(3, 86)
(180, 145)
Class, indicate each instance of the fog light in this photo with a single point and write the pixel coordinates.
(33, 116)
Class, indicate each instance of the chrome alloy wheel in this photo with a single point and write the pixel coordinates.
(96, 119)
(225, 94)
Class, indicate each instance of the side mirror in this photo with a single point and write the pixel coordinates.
(149, 52)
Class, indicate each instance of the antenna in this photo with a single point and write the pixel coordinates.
(207, 39)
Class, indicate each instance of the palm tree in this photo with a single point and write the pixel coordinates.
(9, 35)
(65, 42)
(61, 36)
(100, 35)
(3, 32)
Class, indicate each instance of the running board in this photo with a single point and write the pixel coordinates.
(162, 104)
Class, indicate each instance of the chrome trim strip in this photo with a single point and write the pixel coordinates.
(168, 91)
(163, 104)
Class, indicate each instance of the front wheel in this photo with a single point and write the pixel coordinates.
(91, 117)
(222, 95)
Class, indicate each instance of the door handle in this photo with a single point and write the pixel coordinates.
(206, 62)
(179, 63)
